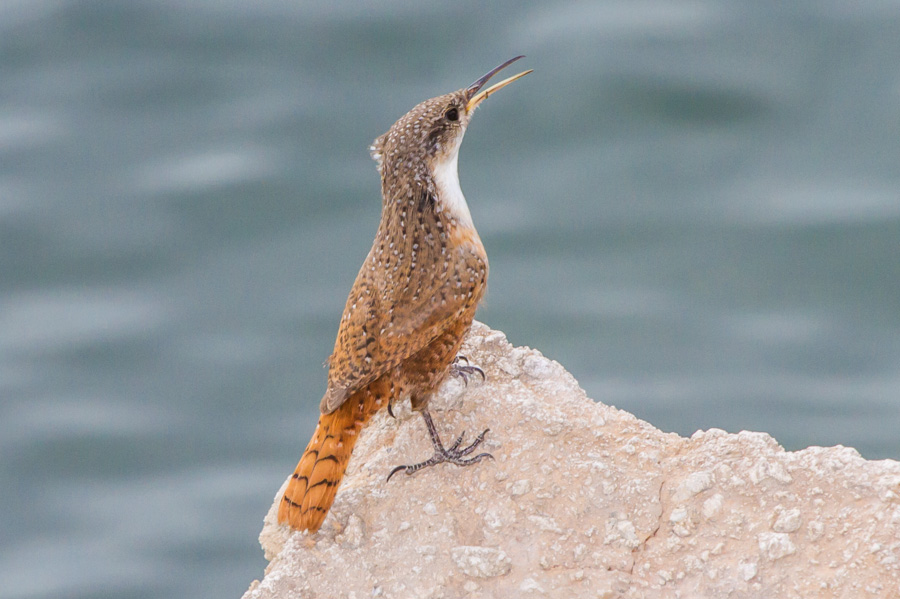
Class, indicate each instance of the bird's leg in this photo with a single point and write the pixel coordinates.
(464, 372)
(453, 454)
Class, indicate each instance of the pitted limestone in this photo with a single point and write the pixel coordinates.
(606, 507)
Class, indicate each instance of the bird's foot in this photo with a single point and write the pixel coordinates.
(453, 454)
(465, 371)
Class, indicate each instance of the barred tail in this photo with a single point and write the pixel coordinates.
(315, 481)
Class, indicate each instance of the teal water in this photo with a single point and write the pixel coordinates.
(694, 206)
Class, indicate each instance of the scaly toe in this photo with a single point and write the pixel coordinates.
(464, 372)
(453, 455)
(467, 450)
(457, 443)
(460, 461)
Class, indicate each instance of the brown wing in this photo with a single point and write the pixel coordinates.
(391, 313)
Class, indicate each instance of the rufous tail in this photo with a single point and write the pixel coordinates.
(315, 481)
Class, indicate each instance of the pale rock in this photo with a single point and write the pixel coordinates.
(694, 484)
(712, 506)
(495, 517)
(545, 524)
(481, 562)
(764, 469)
(747, 570)
(678, 515)
(353, 532)
(682, 524)
(815, 530)
(454, 389)
(537, 367)
(775, 545)
(787, 521)
(627, 534)
(520, 487)
(509, 367)
(497, 338)
(586, 501)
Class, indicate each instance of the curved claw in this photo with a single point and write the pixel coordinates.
(391, 413)
(464, 372)
(481, 455)
(393, 472)
(452, 455)
(475, 443)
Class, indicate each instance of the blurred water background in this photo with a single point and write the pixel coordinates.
(693, 205)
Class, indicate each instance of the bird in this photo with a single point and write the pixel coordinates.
(411, 305)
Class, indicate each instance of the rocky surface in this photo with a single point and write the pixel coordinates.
(584, 500)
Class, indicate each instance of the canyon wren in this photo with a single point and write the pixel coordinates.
(411, 305)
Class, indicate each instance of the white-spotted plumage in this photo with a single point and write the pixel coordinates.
(410, 306)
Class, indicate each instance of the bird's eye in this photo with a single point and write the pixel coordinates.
(452, 114)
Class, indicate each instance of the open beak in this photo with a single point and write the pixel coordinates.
(476, 94)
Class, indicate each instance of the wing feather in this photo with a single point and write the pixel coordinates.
(398, 306)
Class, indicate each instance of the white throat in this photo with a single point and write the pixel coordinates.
(450, 196)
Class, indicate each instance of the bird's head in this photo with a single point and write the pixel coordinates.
(428, 137)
